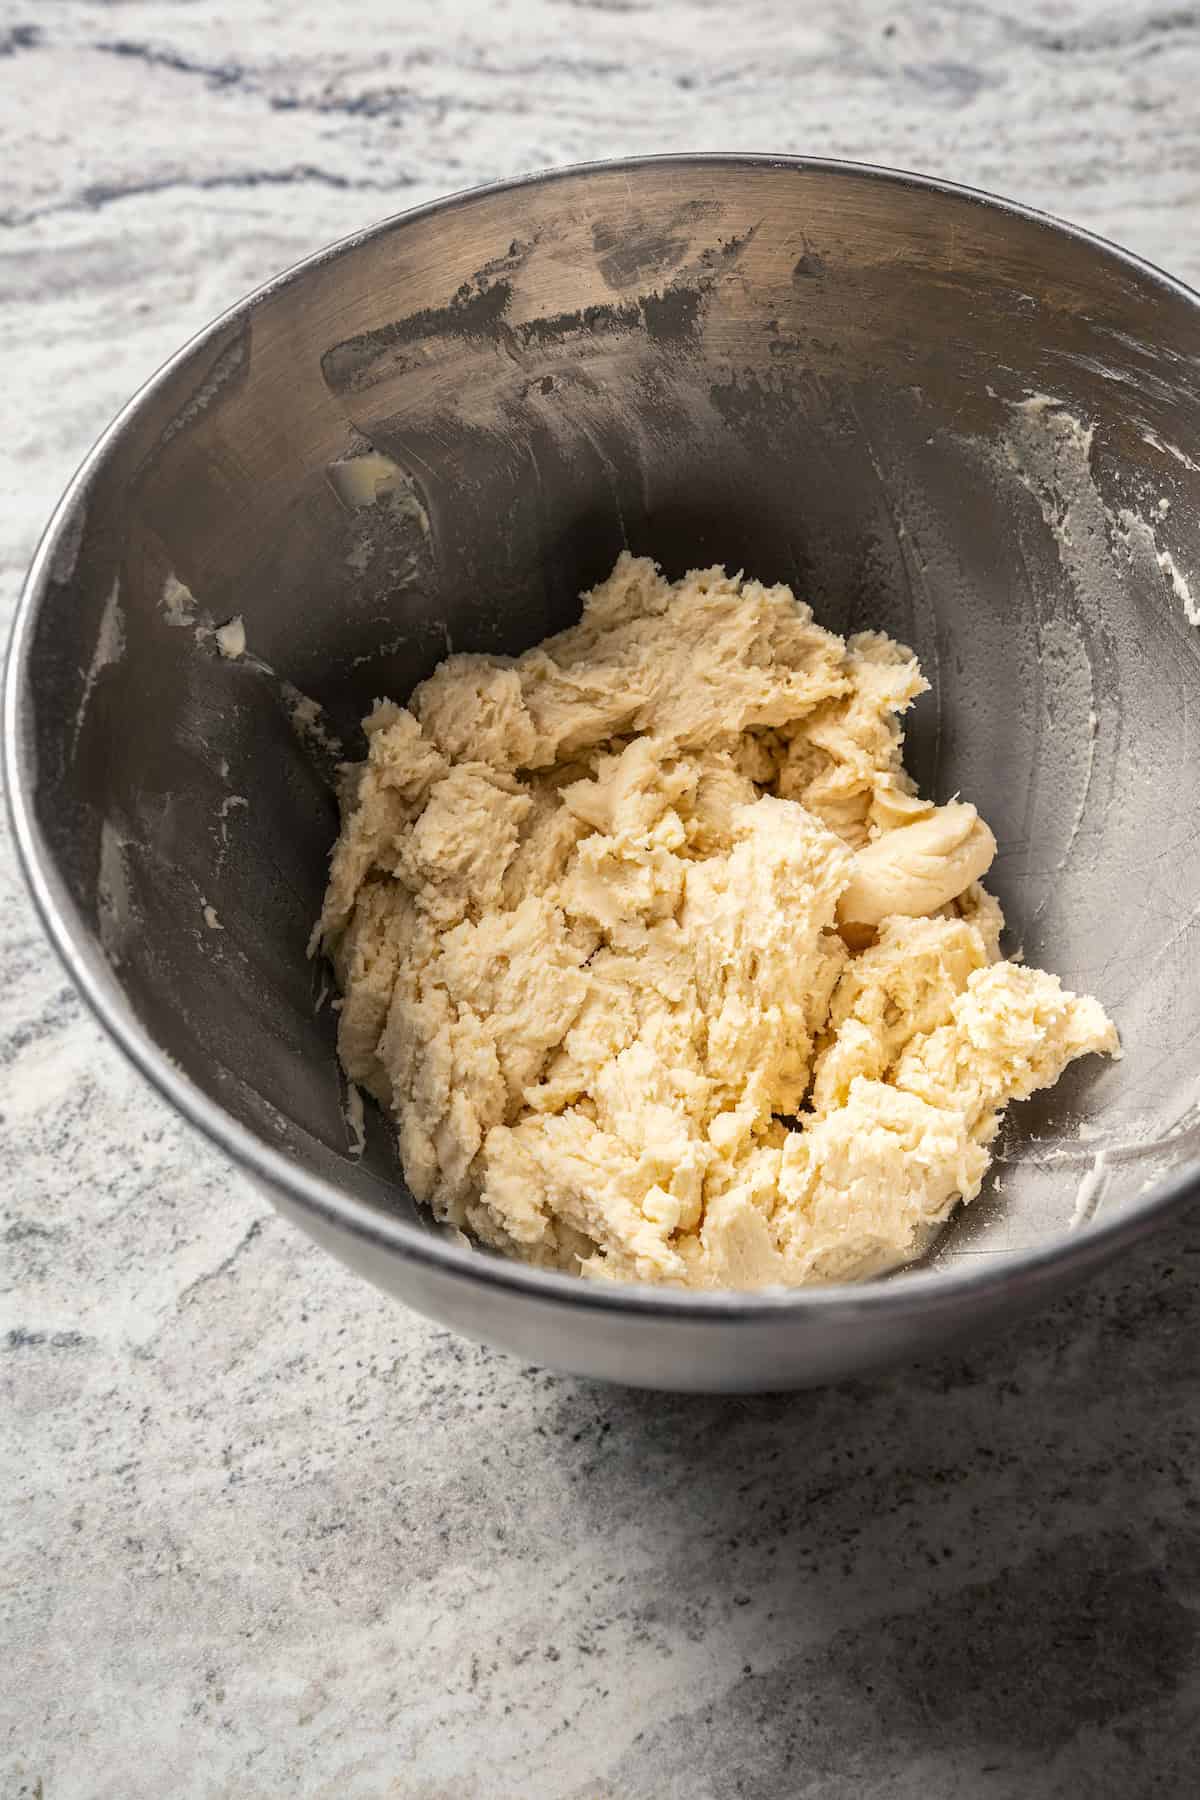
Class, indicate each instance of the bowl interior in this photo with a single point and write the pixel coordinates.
(928, 414)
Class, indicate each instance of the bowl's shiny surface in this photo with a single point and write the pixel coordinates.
(928, 411)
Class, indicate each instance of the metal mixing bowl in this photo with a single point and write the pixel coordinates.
(929, 411)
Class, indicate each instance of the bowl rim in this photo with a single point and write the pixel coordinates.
(1069, 1254)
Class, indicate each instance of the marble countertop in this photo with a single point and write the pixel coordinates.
(264, 1533)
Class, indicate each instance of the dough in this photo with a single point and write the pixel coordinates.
(663, 967)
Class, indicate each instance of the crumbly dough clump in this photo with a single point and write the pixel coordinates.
(663, 967)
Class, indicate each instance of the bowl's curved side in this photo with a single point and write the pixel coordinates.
(735, 1344)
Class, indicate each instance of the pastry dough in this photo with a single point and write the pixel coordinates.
(661, 964)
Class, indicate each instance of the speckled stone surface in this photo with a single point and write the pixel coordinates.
(263, 1533)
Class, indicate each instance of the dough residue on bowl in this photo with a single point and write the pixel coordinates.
(660, 962)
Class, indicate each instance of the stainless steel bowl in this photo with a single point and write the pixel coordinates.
(927, 410)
